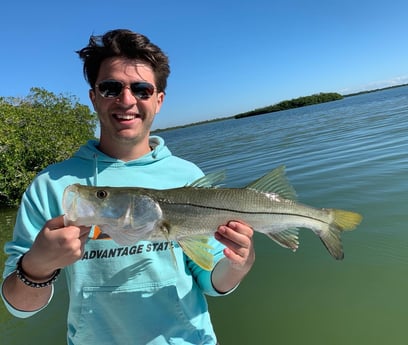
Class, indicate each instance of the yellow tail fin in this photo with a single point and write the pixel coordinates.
(346, 220)
(342, 220)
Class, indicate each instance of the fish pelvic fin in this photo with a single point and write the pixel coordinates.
(173, 256)
(275, 182)
(197, 249)
(287, 239)
(342, 220)
(165, 229)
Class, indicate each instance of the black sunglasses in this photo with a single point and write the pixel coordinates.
(113, 88)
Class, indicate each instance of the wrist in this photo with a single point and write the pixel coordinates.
(37, 266)
(34, 280)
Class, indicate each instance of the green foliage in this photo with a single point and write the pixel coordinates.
(36, 131)
(293, 103)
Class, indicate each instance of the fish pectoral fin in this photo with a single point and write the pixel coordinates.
(287, 239)
(197, 249)
(165, 231)
(275, 182)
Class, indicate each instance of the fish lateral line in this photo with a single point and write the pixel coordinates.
(247, 212)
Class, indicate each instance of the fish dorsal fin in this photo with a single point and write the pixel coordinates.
(196, 248)
(275, 182)
(210, 180)
(287, 239)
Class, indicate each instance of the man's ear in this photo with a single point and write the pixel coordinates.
(92, 97)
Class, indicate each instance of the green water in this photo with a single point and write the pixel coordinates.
(350, 154)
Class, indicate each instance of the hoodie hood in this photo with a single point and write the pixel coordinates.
(90, 150)
(101, 161)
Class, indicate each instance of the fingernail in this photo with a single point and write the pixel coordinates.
(232, 225)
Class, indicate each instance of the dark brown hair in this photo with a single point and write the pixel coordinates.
(128, 44)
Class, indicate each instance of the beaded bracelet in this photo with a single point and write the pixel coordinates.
(23, 276)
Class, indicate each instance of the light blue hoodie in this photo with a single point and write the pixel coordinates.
(121, 294)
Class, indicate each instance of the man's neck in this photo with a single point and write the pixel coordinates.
(125, 151)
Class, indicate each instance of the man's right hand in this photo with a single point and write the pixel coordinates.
(56, 246)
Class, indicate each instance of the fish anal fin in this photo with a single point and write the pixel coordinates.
(275, 182)
(332, 241)
(287, 239)
(197, 249)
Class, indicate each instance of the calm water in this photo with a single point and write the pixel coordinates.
(350, 154)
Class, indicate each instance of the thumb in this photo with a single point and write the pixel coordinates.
(55, 223)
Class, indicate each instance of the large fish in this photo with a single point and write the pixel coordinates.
(189, 215)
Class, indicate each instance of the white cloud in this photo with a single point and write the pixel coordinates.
(377, 85)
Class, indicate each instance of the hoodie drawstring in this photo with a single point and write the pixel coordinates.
(95, 178)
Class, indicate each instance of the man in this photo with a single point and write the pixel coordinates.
(119, 295)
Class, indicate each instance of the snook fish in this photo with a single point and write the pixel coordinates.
(189, 215)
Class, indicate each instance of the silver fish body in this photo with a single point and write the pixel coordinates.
(189, 215)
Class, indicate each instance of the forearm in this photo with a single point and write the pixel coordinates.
(55, 247)
(17, 290)
(226, 277)
(23, 297)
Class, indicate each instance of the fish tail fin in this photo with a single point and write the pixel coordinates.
(342, 220)
(346, 220)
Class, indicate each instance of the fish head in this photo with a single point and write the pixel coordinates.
(85, 205)
(125, 214)
(76, 206)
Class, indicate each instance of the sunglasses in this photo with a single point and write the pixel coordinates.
(113, 88)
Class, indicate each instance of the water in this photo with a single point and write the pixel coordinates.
(350, 154)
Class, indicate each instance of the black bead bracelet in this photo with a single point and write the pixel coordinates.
(23, 276)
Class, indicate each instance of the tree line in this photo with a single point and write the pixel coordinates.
(293, 103)
(36, 131)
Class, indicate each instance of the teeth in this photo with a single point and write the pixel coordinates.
(125, 116)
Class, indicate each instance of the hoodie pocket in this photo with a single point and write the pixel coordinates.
(145, 314)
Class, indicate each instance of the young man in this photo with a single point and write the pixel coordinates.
(123, 294)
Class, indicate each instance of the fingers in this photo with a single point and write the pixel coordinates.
(58, 223)
(55, 223)
(57, 245)
(237, 237)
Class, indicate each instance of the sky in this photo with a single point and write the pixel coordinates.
(226, 56)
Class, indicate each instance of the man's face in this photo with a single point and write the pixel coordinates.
(125, 120)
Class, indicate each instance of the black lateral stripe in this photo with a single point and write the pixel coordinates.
(247, 212)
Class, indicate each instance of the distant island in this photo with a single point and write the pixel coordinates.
(285, 105)
(293, 103)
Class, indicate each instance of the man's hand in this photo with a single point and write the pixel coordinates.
(237, 237)
(239, 255)
(56, 246)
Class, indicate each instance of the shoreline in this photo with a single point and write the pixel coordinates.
(158, 130)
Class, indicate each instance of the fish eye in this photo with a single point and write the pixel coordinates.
(101, 194)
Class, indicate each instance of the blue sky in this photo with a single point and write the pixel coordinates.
(226, 56)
